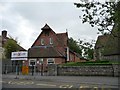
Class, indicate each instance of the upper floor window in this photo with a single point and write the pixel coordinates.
(42, 41)
(51, 41)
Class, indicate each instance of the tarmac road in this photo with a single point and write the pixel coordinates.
(61, 82)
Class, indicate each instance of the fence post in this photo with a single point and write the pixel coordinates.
(18, 70)
(12, 67)
(41, 69)
(32, 70)
(5, 68)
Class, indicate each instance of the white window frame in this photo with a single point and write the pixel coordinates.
(32, 60)
(42, 41)
(50, 59)
(40, 60)
(51, 41)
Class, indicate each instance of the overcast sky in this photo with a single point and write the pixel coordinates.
(24, 20)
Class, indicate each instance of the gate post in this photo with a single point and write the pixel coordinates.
(32, 70)
(18, 70)
(42, 69)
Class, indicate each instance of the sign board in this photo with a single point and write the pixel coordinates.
(21, 55)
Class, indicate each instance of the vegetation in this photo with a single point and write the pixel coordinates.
(85, 49)
(103, 15)
(106, 17)
(10, 46)
(74, 46)
(103, 62)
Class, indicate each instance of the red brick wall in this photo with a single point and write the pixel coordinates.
(71, 57)
(47, 39)
(74, 57)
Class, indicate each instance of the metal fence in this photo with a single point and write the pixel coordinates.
(15, 67)
(18, 69)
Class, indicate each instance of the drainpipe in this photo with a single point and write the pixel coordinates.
(68, 54)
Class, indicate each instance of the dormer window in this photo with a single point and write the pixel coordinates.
(42, 41)
(51, 41)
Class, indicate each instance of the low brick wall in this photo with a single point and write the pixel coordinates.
(96, 70)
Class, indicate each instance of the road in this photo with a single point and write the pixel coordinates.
(63, 82)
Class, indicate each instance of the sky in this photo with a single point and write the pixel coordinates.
(24, 20)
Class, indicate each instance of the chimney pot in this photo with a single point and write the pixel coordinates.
(4, 33)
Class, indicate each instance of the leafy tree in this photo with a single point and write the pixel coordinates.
(10, 46)
(72, 44)
(103, 15)
(85, 49)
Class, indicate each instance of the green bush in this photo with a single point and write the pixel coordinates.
(104, 62)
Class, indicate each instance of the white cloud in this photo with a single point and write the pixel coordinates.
(25, 32)
(25, 20)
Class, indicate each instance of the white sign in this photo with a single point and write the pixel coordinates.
(21, 55)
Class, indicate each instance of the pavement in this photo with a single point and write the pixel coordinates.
(99, 80)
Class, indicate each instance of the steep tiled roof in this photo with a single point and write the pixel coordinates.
(109, 43)
(44, 52)
(20, 48)
(101, 41)
(63, 37)
(112, 45)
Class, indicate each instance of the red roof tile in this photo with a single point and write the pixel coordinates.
(44, 52)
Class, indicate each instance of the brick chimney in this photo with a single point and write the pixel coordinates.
(4, 33)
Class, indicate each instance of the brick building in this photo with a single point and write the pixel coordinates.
(51, 48)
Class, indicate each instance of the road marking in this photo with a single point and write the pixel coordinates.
(83, 86)
(2, 81)
(65, 86)
(46, 85)
(20, 82)
(9, 82)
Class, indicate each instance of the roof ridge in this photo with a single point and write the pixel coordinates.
(61, 33)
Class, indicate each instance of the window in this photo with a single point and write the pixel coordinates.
(51, 41)
(42, 41)
(50, 61)
(41, 60)
(32, 62)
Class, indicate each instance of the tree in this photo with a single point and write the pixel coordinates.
(72, 44)
(103, 15)
(10, 46)
(85, 49)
